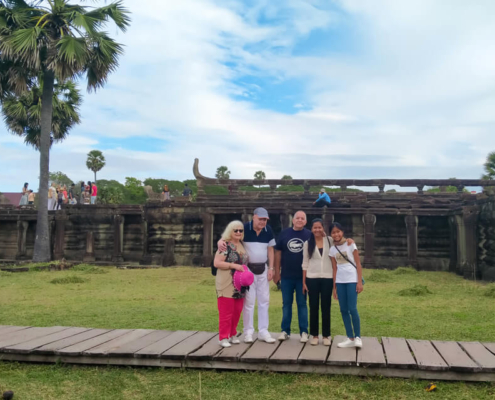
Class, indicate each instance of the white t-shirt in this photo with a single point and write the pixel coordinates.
(346, 273)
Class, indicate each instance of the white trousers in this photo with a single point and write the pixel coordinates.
(259, 289)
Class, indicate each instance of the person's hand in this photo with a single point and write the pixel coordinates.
(276, 278)
(314, 202)
(238, 267)
(335, 294)
(350, 242)
(222, 246)
(269, 275)
(359, 287)
(305, 289)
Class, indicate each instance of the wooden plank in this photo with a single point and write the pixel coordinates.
(260, 352)
(288, 351)
(371, 355)
(28, 334)
(189, 345)
(398, 353)
(338, 356)
(480, 355)
(7, 329)
(128, 349)
(234, 353)
(490, 346)
(427, 358)
(456, 358)
(207, 351)
(30, 345)
(156, 349)
(314, 354)
(104, 348)
(78, 348)
(60, 344)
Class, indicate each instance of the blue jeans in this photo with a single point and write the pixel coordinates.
(347, 295)
(288, 287)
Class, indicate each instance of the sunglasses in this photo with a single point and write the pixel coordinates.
(238, 230)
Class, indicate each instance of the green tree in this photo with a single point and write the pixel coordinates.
(57, 41)
(60, 178)
(95, 161)
(110, 192)
(222, 173)
(134, 191)
(22, 113)
(287, 177)
(489, 166)
(259, 175)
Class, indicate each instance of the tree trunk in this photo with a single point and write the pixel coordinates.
(42, 251)
(95, 177)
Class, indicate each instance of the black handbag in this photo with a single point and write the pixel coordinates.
(257, 268)
(349, 261)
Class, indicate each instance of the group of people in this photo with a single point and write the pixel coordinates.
(27, 197)
(305, 262)
(89, 193)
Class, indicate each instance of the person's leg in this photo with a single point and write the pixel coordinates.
(225, 311)
(319, 203)
(287, 286)
(352, 307)
(302, 307)
(314, 300)
(236, 316)
(326, 306)
(344, 310)
(263, 295)
(248, 312)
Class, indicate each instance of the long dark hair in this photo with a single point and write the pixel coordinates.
(312, 240)
(26, 185)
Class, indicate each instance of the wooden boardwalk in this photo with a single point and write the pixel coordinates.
(391, 357)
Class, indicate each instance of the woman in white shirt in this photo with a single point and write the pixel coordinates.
(347, 278)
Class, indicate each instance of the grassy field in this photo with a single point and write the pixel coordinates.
(401, 303)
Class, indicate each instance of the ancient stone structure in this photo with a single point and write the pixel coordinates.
(431, 231)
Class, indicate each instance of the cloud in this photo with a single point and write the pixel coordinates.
(408, 94)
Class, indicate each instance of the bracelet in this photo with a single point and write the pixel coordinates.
(271, 268)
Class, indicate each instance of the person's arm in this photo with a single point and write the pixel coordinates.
(222, 245)
(271, 259)
(278, 259)
(334, 268)
(305, 265)
(220, 263)
(359, 286)
(350, 242)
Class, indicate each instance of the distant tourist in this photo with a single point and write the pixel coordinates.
(258, 242)
(83, 188)
(318, 280)
(66, 195)
(52, 196)
(165, 193)
(86, 196)
(323, 199)
(60, 198)
(31, 197)
(230, 297)
(348, 283)
(187, 192)
(25, 194)
(94, 193)
(72, 194)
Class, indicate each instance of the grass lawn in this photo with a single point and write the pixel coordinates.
(184, 298)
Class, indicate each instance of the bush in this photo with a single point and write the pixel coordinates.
(90, 269)
(417, 290)
(380, 276)
(69, 279)
(490, 292)
(405, 270)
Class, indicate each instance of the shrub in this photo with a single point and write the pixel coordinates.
(90, 269)
(69, 279)
(405, 270)
(417, 290)
(380, 276)
(490, 291)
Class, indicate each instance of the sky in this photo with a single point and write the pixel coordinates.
(352, 89)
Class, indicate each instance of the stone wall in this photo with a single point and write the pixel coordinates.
(486, 240)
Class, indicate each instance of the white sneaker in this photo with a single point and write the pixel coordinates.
(283, 336)
(248, 339)
(358, 342)
(347, 343)
(224, 343)
(234, 340)
(267, 339)
(304, 337)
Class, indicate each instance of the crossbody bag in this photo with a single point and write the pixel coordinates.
(349, 261)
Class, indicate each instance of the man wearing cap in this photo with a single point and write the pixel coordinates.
(323, 199)
(258, 242)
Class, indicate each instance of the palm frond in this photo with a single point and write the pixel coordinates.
(115, 12)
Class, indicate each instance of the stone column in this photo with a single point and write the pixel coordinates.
(412, 240)
(453, 244)
(285, 221)
(90, 247)
(369, 221)
(22, 227)
(247, 217)
(59, 245)
(208, 220)
(467, 241)
(118, 238)
(327, 220)
(146, 259)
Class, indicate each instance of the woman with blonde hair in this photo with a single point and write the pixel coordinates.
(230, 300)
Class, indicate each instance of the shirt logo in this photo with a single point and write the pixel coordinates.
(295, 245)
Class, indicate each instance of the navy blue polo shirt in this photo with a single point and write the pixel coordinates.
(257, 245)
(290, 243)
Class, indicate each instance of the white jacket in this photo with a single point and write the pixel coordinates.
(318, 266)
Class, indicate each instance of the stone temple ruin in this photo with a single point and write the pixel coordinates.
(445, 231)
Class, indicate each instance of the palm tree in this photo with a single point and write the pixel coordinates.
(95, 161)
(59, 41)
(489, 166)
(22, 113)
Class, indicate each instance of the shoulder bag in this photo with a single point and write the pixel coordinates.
(349, 261)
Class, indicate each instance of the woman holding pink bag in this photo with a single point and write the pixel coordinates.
(232, 280)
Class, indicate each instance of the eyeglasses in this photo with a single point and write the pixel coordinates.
(238, 230)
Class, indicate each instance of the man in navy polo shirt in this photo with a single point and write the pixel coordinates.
(258, 242)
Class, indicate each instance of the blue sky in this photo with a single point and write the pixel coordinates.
(309, 88)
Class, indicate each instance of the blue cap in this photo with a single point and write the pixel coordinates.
(261, 213)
